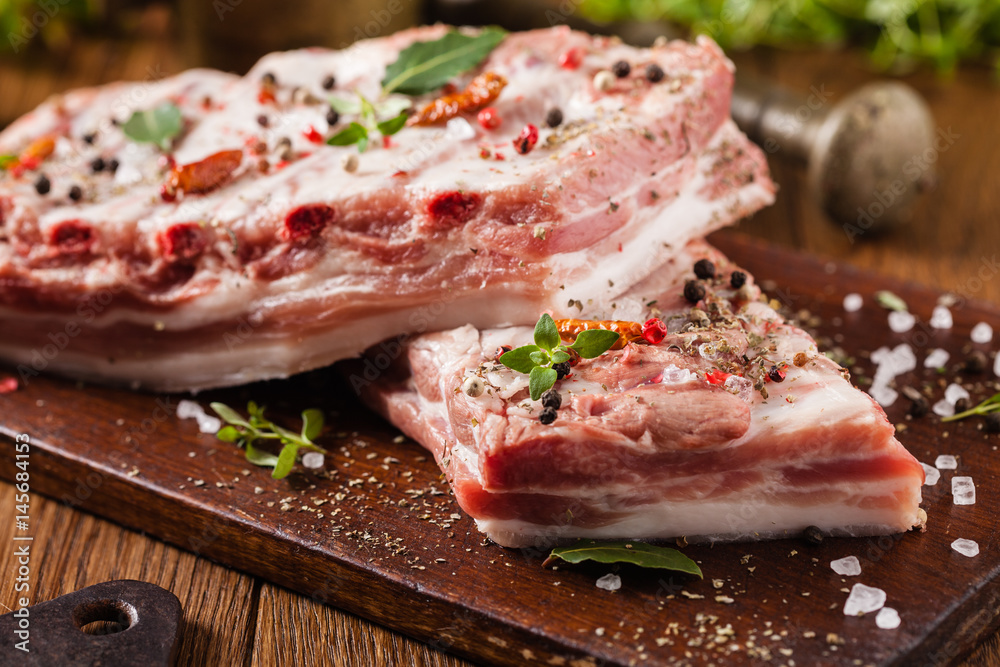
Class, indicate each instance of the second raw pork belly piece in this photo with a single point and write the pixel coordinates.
(733, 427)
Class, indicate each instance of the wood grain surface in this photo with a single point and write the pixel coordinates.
(234, 618)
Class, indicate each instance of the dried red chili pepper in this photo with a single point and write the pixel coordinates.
(479, 93)
(202, 176)
(628, 332)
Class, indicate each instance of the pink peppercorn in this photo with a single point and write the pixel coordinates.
(654, 331)
(526, 140)
(489, 118)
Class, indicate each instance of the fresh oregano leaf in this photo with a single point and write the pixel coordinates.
(519, 359)
(594, 342)
(157, 126)
(541, 358)
(229, 434)
(229, 415)
(312, 424)
(559, 357)
(286, 461)
(390, 127)
(540, 380)
(546, 333)
(637, 553)
(351, 134)
(890, 301)
(426, 66)
(344, 106)
(260, 458)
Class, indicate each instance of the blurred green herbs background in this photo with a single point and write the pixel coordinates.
(900, 34)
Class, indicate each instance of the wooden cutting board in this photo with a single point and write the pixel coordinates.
(380, 535)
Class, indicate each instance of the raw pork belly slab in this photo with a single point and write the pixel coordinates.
(659, 441)
(275, 259)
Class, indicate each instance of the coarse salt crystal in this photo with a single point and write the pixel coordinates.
(946, 462)
(312, 460)
(936, 358)
(741, 386)
(941, 318)
(853, 302)
(981, 333)
(675, 375)
(883, 394)
(864, 600)
(901, 321)
(847, 567)
(459, 129)
(610, 582)
(963, 491)
(943, 408)
(954, 392)
(191, 410)
(931, 475)
(966, 547)
(887, 618)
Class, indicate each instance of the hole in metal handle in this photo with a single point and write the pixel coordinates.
(104, 617)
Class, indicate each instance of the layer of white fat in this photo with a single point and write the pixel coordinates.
(733, 519)
(246, 354)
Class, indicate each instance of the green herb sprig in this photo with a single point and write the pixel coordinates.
(392, 111)
(991, 404)
(890, 301)
(245, 432)
(156, 126)
(7, 160)
(537, 360)
(637, 553)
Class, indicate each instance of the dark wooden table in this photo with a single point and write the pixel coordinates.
(233, 618)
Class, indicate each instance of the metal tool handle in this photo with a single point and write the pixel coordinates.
(149, 618)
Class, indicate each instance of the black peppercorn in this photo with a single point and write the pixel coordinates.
(654, 73)
(97, 164)
(43, 185)
(547, 416)
(552, 399)
(554, 117)
(75, 193)
(621, 69)
(704, 269)
(89, 137)
(992, 423)
(562, 370)
(694, 291)
(263, 121)
(962, 404)
(919, 407)
(268, 79)
(737, 279)
(329, 82)
(813, 535)
(976, 362)
(112, 165)
(332, 117)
